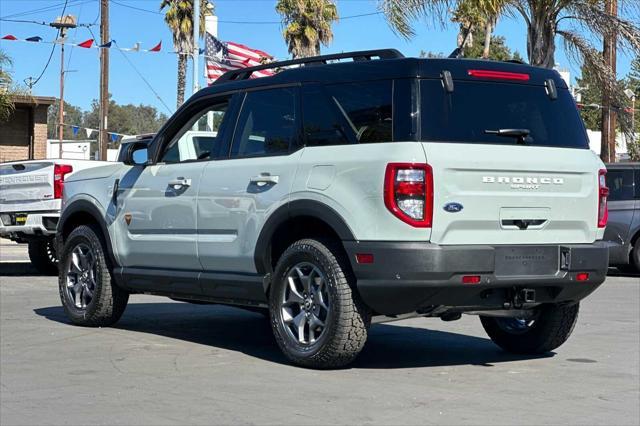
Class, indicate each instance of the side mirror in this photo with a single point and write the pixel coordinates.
(137, 154)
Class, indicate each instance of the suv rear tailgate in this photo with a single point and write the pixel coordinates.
(27, 186)
(513, 194)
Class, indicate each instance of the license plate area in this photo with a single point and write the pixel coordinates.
(527, 260)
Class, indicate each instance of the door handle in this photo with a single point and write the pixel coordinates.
(264, 179)
(180, 183)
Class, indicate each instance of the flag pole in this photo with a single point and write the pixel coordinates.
(196, 44)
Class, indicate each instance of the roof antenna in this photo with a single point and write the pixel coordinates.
(457, 52)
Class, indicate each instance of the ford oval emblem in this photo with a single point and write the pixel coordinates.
(453, 207)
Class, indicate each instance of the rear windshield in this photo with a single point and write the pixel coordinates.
(475, 108)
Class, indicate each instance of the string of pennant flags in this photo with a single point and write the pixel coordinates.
(113, 136)
(87, 44)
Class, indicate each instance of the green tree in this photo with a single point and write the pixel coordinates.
(6, 104)
(499, 51)
(307, 25)
(72, 116)
(179, 18)
(126, 119)
(590, 95)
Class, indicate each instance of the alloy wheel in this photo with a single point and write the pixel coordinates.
(81, 272)
(305, 307)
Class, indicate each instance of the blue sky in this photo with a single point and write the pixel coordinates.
(129, 26)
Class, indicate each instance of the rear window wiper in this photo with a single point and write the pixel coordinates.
(522, 135)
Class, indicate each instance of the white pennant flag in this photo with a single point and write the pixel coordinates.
(89, 132)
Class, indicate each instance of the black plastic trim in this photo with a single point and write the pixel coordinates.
(291, 210)
(408, 276)
(88, 207)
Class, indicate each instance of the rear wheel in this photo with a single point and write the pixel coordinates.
(43, 256)
(547, 329)
(317, 317)
(88, 293)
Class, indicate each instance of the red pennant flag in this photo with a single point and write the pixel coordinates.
(156, 48)
(86, 44)
(9, 37)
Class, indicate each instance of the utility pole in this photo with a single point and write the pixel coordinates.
(608, 139)
(103, 136)
(196, 44)
(62, 23)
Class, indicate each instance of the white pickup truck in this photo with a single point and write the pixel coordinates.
(30, 202)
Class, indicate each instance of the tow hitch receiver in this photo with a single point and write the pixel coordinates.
(521, 296)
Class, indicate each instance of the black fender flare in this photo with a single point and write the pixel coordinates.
(291, 210)
(85, 206)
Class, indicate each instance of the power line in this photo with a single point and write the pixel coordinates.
(53, 48)
(46, 24)
(238, 22)
(144, 79)
(47, 8)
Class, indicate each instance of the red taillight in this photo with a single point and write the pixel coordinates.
(582, 276)
(59, 172)
(499, 75)
(471, 279)
(408, 193)
(603, 193)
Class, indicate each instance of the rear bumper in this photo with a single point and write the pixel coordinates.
(37, 224)
(410, 276)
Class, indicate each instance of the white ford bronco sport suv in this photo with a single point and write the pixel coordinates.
(335, 193)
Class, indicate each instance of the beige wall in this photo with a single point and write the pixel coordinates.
(14, 134)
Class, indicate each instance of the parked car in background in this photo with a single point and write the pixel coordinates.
(623, 227)
(334, 194)
(30, 201)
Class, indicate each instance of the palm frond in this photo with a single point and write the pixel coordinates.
(581, 50)
(401, 14)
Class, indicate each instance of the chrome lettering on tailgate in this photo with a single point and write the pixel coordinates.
(523, 182)
(12, 180)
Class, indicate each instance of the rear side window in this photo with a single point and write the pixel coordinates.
(620, 183)
(473, 108)
(365, 107)
(267, 123)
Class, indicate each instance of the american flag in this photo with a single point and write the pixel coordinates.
(227, 56)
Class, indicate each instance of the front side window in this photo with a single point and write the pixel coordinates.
(198, 139)
(267, 124)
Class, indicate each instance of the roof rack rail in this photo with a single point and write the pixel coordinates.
(363, 55)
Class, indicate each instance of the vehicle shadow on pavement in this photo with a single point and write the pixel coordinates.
(18, 269)
(389, 346)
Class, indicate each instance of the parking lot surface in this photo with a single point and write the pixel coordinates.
(167, 362)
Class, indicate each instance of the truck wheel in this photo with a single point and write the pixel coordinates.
(317, 317)
(549, 328)
(43, 256)
(88, 293)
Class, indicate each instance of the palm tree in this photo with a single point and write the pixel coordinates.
(576, 22)
(307, 25)
(6, 104)
(179, 18)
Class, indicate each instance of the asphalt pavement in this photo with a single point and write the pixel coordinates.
(167, 362)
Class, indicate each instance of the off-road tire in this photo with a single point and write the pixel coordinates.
(346, 332)
(551, 329)
(109, 301)
(43, 256)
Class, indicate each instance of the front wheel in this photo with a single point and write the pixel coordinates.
(88, 293)
(548, 328)
(316, 314)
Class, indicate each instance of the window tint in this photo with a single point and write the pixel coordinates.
(366, 108)
(637, 185)
(474, 107)
(197, 140)
(267, 123)
(322, 125)
(620, 183)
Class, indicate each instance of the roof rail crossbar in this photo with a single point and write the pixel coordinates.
(364, 55)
